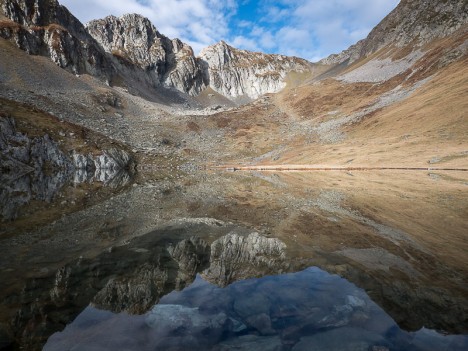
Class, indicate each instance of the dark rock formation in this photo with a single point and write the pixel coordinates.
(36, 168)
(44, 27)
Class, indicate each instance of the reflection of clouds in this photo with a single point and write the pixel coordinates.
(308, 310)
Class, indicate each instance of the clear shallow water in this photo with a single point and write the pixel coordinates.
(308, 310)
(240, 261)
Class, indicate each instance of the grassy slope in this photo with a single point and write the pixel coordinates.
(431, 124)
(428, 128)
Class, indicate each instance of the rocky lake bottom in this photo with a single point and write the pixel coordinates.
(367, 260)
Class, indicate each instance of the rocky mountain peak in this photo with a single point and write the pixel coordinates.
(219, 53)
(414, 22)
(131, 49)
(133, 39)
(42, 13)
(44, 27)
(244, 74)
(131, 36)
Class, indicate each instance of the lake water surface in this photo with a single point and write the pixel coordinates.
(237, 261)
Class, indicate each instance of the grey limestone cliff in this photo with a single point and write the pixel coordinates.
(239, 73)
(231, 72)
(130, 51)
(134, 40)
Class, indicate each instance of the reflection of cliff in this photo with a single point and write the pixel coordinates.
(128, 278)
(133, 277)
(167, 268)
(412, 303)
(235, 257)
(36, 168)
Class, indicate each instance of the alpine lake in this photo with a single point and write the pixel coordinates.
(218, 260)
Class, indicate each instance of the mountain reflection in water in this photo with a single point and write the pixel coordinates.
(210, 261)
(308, 310)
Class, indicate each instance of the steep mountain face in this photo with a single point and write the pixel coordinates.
(44, 27)
(134, 40)
(231, 72)
(129, 49)
(240, 73)
(411, 22)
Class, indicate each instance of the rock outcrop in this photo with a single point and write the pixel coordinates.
(40, 152)
(411, 22)
(231, 72)
(134, 41)
(44, 27)
(129, 50)
(239, 73)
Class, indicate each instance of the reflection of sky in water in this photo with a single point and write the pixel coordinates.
(309, 310)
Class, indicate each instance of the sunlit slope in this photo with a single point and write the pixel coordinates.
(399, 107)
(348, 126)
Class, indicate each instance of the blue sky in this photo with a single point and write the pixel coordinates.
(311, 29)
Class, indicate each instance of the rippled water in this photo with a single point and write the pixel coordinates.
(240, 261)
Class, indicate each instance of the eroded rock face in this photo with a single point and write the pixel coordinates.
(134, 40)
(192, 255)
(137, 291)
(416, 22)
(44, 27)
(231, 72)
(239, 73)
(131, 48)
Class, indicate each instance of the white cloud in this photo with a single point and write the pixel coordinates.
(331, 25)
(307, 28)
(197, 22)
(244, 43)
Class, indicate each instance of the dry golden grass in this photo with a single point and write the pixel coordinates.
(429, 125)
(427, 129)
